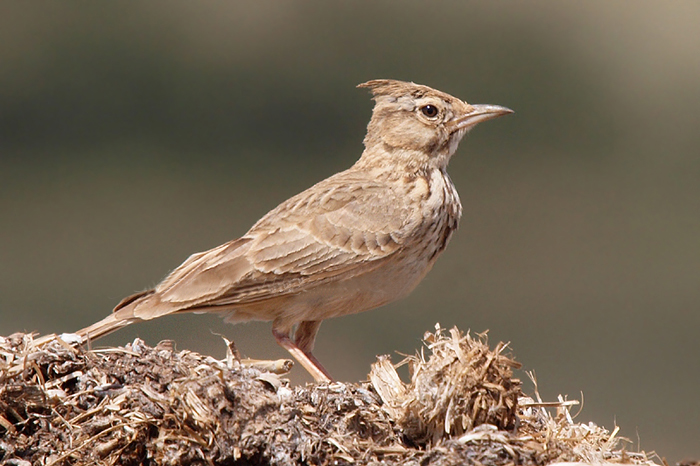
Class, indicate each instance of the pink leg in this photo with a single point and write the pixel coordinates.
(305, 337)
(301, 348)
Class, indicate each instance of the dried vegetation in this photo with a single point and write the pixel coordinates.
(60, 404)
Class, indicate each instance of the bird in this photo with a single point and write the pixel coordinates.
(355, 241)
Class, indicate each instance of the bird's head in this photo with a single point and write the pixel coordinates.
(413, 121)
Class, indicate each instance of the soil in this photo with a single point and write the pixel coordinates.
(137, 405)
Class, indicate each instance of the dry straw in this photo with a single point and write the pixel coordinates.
(62, 405)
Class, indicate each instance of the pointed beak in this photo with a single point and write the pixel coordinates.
(478, 114)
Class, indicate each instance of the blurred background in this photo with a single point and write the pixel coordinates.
(133, 134)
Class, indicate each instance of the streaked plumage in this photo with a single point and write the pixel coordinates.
(352, 242)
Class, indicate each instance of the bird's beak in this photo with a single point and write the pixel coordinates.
(478, 114)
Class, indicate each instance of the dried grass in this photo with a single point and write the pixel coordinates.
(62, 405)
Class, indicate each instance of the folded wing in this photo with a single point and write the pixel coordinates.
(326, 233)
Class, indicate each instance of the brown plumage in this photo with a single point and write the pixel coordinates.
(362, 238)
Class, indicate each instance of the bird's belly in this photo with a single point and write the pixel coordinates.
(337, 298)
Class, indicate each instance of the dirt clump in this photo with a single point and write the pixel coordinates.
(133, 405)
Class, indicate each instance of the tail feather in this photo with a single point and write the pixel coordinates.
(122, 316)
(131, 298)
(109, 324)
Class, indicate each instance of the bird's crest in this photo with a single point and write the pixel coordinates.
(397, 89)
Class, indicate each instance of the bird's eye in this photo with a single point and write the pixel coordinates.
(430, 111)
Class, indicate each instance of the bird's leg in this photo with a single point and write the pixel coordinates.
(301, 348)
(305, 337)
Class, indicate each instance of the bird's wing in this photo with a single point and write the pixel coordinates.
(342, 227)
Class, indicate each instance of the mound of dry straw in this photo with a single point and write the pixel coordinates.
(60, 404)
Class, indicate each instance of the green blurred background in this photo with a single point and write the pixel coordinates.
(133, 134)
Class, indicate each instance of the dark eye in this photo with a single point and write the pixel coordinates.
(430, 111)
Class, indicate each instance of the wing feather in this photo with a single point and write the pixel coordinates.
(344, 226)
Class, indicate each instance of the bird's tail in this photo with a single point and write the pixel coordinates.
(104, 327)
(122, 316)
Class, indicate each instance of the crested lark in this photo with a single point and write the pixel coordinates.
(362, 238)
